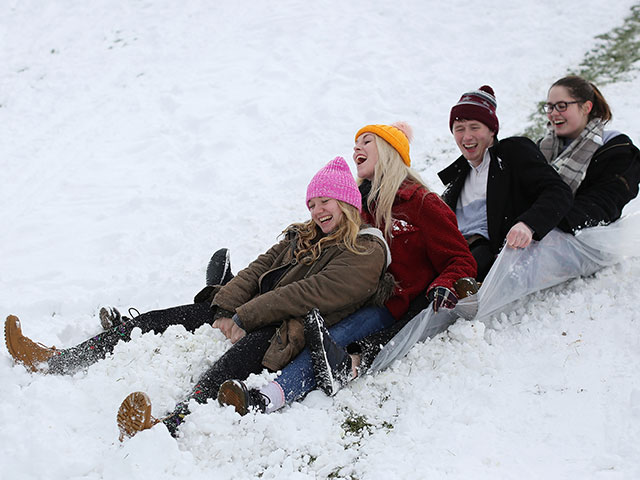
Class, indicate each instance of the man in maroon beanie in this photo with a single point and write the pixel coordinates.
(501, 191)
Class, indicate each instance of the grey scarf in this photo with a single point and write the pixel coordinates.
(572, 162)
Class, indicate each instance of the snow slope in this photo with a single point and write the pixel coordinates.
(141, 136)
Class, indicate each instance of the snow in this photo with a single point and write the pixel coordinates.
(139, 137)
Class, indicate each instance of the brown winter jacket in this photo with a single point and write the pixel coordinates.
(338, 283)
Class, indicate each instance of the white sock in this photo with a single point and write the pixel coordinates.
(273, 391)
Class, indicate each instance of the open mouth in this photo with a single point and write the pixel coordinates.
(469, 146)
(559, 122)
(325, 219)
(360, 159)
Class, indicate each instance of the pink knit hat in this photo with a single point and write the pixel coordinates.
(335, 180)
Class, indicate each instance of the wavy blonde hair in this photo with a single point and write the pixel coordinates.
(311, 239)
(389, 173)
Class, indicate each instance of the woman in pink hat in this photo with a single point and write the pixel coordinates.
(429, 258)
(328, 262)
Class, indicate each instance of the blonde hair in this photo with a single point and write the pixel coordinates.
(389, 173)
(311, 239)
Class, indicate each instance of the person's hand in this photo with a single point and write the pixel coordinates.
(236, 333)
(442, 297)
(519, 236)
(225, 325)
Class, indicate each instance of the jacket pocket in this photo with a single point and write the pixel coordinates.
(287, 342)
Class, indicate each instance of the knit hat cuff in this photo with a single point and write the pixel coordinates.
(393, 136)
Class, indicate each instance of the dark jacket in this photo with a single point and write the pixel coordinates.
(276, 289)
(521, 187)
(610, 183)
(427, 249)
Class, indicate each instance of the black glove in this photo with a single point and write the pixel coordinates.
(442, 297)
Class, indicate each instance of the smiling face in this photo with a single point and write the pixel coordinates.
(572, 121)
(325, 212)
(365, 154)
(473, 139)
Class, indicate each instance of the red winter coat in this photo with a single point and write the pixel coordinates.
(427, 249)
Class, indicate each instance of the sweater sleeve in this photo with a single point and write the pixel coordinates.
(611, 182)
(551, 197)
(445, 246)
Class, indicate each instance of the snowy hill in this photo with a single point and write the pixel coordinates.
(141, 136)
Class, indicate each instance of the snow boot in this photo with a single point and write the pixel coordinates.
(23, 350)
(331, 363)
(219, 268)
(134, 415)
(236, 393)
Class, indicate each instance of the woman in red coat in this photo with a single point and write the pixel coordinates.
(428, 256)
(428, 252)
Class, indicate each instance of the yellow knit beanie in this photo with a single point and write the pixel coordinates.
(398, 135)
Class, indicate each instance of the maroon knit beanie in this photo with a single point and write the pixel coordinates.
(477, 105)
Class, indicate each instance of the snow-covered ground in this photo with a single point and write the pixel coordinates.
(140, 136)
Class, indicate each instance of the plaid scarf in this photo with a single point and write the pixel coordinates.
(572, 162)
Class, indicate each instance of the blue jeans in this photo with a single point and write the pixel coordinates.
(297, 378)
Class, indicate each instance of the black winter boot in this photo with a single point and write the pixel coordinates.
(331, 363)
(219, 268)
(69, 360)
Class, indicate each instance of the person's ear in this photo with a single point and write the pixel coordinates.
(587, 107)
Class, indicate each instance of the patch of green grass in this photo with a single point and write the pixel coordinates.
(355, 424)
(615, 54)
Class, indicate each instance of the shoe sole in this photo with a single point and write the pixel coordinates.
(219, 261)
(231, 393)
(11, 325)
(134, 415)
(319, 359)
(105, 319)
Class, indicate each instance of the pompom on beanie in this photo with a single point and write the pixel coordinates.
(398, 135)
(477, 105)
(335, 180)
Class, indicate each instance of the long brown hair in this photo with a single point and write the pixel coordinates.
(311, 239)
(584, 91)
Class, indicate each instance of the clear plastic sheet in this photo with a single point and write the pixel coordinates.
(517, 273)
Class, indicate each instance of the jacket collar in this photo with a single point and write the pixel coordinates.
(461, 165)
(407, 189)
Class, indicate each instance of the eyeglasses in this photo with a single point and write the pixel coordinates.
(559, 106)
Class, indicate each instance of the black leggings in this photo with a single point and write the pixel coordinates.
(240, 361)
(70, 360)
(191, 317)
(237, 363)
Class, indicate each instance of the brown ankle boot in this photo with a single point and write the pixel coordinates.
(24, 350)
(134, 415)
(465, 287)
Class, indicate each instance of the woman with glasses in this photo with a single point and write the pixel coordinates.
(602, 167)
